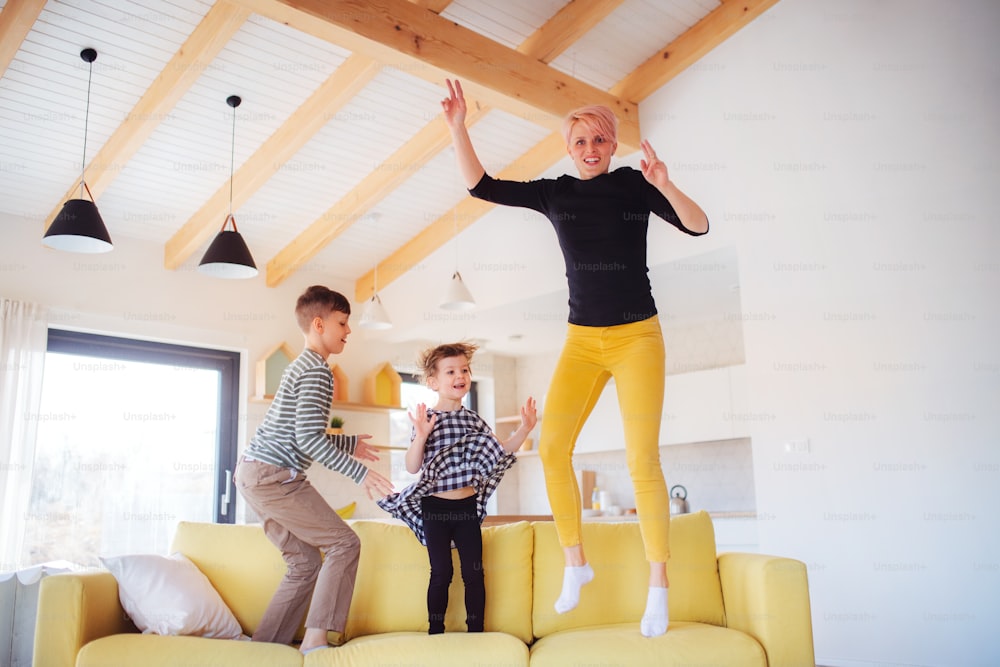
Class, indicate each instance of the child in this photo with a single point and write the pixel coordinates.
(271, 478)
(461, 463)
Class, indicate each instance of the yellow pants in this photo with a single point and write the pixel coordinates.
(633, 354)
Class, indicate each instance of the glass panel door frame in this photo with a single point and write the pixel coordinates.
(226, 362)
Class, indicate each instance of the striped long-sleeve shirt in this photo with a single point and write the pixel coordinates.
(293, 433)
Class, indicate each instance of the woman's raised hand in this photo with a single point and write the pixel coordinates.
(453, 106)
(653, 168)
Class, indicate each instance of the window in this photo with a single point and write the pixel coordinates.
(133, 436)
(412, 391)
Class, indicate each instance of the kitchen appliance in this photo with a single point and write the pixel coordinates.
(678, 500)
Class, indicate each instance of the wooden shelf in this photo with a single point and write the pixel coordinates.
(364, 407)
(348, 406)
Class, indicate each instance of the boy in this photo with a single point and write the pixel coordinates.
(271, 478)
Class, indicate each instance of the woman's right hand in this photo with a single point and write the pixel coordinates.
(453, 106)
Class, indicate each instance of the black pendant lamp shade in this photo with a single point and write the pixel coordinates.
(228, 256)
(79, 226)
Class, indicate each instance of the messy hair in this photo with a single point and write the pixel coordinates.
(319, 301)
(597, 117)
(427, 364)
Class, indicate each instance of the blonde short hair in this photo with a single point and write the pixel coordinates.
(597, 117)
(427, 364)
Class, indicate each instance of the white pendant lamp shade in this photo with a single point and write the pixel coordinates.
(374, 315)
(458, 296)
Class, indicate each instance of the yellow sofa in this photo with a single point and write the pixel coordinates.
(732, 610)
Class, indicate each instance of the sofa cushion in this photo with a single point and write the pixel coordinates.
(621, 575)
(157, 651)
(243, 566)
(390, 594)
(170, 596)
(683, 645)
(452, 649)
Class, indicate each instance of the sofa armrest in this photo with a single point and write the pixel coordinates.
(73, 610)
(767, 597)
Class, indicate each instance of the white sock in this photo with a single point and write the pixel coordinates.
(656, 618)
(573, 580)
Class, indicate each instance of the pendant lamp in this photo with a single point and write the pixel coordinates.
(79, 227)
(458, 296)
(374, 315)
(228, 256)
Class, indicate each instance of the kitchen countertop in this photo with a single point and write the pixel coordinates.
(512, 518)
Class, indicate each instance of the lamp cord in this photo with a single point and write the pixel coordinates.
(86, 123)
(232, 159)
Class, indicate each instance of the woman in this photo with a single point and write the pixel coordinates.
(600, 220)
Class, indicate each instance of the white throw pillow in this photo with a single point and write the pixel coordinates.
(171, 596)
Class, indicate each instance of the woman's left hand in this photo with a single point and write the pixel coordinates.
(653, 168)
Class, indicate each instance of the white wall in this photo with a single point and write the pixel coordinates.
(849, 151)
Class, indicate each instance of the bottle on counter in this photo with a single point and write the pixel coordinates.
(595, 499)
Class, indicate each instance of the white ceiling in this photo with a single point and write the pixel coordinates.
(183, 159)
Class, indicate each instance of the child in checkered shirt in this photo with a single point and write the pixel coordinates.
(460, 462)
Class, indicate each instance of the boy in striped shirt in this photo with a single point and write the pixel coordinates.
(271, 478)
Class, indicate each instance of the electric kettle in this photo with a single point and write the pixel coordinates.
(678, 500)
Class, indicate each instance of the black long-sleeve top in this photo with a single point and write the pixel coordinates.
(601, 225)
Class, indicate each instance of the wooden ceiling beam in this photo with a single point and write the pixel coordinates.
(568, 25)
(436, 6)
(541, 157)
(705, 35)
(383, 179)
(338, 89)
(716, 27)
(402, 34)
(214, 31)
(419, 150)
(545, 44)
(16, 20)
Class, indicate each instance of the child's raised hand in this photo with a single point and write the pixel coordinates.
(529, 414)
(422, 424)
(364, 450)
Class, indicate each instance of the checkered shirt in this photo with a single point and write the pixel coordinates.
(461, 451)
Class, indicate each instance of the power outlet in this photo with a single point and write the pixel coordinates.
(798, 446)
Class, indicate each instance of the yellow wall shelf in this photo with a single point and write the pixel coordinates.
(382, 386)
(341, 384)
(270, 367)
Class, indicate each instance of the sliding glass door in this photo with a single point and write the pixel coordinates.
(133, 436)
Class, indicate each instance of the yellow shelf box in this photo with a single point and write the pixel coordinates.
(382, 386)
(270, 367)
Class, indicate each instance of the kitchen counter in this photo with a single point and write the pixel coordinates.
(608, 518)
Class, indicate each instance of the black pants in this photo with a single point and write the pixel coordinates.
(447, 522)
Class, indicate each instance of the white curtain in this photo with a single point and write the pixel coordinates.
(23, 340)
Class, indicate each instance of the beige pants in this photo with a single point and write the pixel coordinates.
(301, 524)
